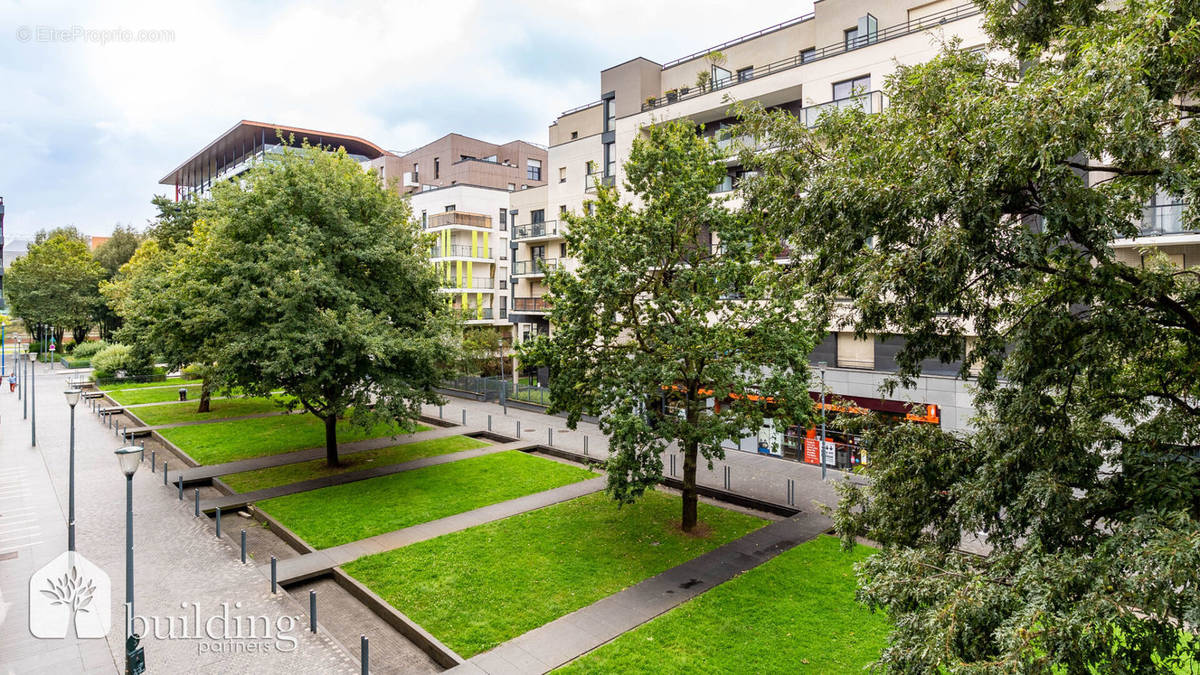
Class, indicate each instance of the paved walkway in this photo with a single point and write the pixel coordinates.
(545, 648)
(178, 561)
(229, 502)
(199, 474)
(319, 562)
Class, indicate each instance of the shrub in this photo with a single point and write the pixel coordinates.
(89, 349)
(115, 359)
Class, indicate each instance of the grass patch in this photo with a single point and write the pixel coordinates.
(344, 513)
(119, 386)
(241, 439)
(166, 395)
(248, 481)
(483, 586)
(794, 613)
(171, 413)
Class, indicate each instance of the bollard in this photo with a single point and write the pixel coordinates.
(218, 522)
(791, 492)
(364, 655)
(464, 417)
(164, 472)
(518, 429)
(489, 421)
(274, 576)
(197, 502)
(585, 445)
(180, 480)
(726, 477)
(153, 460)
(439, 412)
(312, 611)
(549, 436)
(243, 547)
(672, 465)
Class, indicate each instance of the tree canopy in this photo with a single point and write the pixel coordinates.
(678, 324)
(55, 284)
(983, 202)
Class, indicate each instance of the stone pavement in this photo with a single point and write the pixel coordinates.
(760, 476)
(178, 561)
(545, 648)
(319, 562)
(228, 502)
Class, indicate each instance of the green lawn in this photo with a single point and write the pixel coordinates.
(170, 413)
(228, 441)
(136, 396)
(248, 481)
(344, 513)
(794, 613)
(480, 587)
(170, 382)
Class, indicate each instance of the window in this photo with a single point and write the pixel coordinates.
(503, 220)
(854, 87)
(589, 208)
(610, 114)
(424, 219)
(562, 209)
(589, 167)
(807, 55)
(745, 74)
(537, 216)
(863, 34)
(537, 252)
(450, 207)
(437, 168)
(533, 169)
(562, 250)
(504, 285)
(851, 38)
(574, 135)
(503, 306)
(610, 160)
(416, 172)
(512, 187)
(562, 174)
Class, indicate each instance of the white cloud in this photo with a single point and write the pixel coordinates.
(89, 128)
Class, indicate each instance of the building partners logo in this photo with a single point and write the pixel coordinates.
(221, 632)
(70, 596)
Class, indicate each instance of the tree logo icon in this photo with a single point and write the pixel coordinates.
(70, 595)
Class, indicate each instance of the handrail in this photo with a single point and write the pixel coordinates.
(531, 305)
(459, 251)
(577, 108)
(542, 229)
(748, 36)
(891, 32)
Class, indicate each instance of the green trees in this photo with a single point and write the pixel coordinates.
(111, 255)
(677, 325)
(973, 205)
(321, 287)
(55, 284)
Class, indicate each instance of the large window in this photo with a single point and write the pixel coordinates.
(437, 168)
(610, 160)
(503, 220)
(533, 169)
(745, 74)
(610, 114)
(537, 216)
(807, 55)
(854, 87)
(416, 172)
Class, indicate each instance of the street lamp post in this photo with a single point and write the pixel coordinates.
(821, 441)
(129, 457)
(72, 399)
(33, 404)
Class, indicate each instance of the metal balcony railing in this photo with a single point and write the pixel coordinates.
(840, 47)
(535, 266)
(531, 305)
(459, 251)
(869, 102)
(481, 283)
(543, 229)
(1165, 219)
(458, 218)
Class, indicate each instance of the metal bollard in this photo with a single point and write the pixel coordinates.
(197, 502)
(180, 480)
(549, 436)
(518, 429)
(312, 611)
(274, 576)
(365, 658)
(218, 522)
(464, 417)
(672, 456)
(791, 492)
(153, 460)
(585, 445)
(726, 477)
(243, 547)
(164, 472)
(489, 422)
(439, 412)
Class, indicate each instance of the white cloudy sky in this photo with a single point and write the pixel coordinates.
(87, 129)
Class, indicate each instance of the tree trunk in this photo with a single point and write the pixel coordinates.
(331, 453)
(205, 396)
(690, 497)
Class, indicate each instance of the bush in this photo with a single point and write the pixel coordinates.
(115, 359)
(89, 349)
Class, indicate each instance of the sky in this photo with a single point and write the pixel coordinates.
(100, 100)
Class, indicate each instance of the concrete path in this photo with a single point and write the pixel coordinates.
(319, 562)
(177, 560)
(569, 637)
(235, 501)
(199, 474)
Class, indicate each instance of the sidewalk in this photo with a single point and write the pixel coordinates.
(180, 566)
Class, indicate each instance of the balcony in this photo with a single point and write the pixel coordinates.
(535, 230)
(459, 219)
(460, 251)
(1164, 219)
(474, 313)
(472, 284)
(869, 102)
(531, 305)
(535, 267)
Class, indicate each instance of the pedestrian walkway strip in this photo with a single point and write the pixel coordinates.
(321, 562)
(567, 638)
(201, 474)
(230, 502)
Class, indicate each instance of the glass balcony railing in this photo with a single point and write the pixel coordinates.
(535, 266)
(869, 102)
(474, 313)
(548, 228)
(531, 305)
(481, 283)
(1165, 219)
(460, 251)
